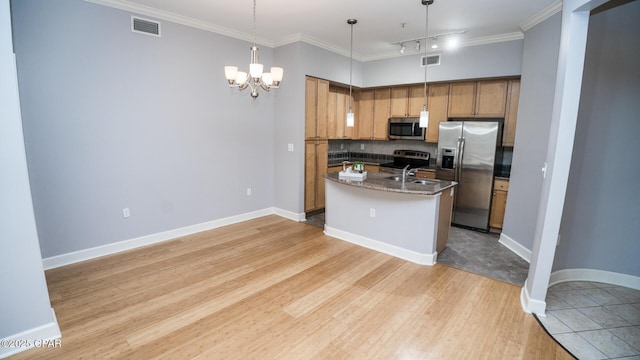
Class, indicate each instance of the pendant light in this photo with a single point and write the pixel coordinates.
(350, 117)
(424, 114)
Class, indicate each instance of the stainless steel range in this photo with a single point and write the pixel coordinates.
(402, 158)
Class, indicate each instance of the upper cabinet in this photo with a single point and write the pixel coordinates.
(478, 99)
(406, 101)
(381, 111)
(316, 108)
(338, 106)
(437, 104)
(364, 120)
(511, 116)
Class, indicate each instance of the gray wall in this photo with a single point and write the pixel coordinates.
(602, 207)
(539, 64)
(115, 119)
(24, 303)
(491, 60)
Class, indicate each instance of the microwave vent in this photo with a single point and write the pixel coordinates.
(145, 26)
(431, 60)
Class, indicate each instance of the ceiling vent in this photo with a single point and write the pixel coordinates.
(431, 60)
(145, 26)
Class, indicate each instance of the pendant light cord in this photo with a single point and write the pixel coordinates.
(254, 23)
(351, 22)
(426, 59)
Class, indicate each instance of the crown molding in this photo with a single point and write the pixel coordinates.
(180, 19)
(517, 35)
(542, 16)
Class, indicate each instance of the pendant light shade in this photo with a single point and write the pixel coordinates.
(350, 117)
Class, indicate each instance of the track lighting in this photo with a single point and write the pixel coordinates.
(402, 48)
(417, 45)
(434, 45)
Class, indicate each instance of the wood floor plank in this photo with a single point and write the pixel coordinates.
(271, 288)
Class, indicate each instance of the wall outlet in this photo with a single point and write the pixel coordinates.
(341, 146)
(290, 147)
(361, 146)
(372, 212)
(126, 213)
(248, 191)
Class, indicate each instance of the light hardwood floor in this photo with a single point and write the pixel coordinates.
(272, 288)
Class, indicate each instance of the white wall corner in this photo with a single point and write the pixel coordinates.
(529, 305)
(594, 275)
(515, 247)
(40, 336)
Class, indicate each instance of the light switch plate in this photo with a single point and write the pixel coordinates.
(290, 147)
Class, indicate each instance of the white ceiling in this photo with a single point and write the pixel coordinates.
(324, 22)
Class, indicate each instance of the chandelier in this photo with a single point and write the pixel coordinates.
(256, 78)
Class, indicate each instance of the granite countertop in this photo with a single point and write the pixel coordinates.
(383, 182)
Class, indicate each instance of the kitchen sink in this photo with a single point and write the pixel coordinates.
(394, 178)
(424, 182)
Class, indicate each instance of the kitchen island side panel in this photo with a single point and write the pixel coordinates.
(406, 221)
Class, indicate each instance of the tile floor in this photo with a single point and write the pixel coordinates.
(594, 320)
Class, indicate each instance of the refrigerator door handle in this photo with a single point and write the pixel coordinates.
(460, 153)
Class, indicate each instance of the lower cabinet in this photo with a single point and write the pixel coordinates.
(316, 152)
(426, 174)
(498, 204)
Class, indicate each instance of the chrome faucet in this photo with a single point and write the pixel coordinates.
(406, 172)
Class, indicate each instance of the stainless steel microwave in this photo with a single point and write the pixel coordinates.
(405, 128)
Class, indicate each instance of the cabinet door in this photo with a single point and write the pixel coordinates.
(311, 107)
(416, 99)
(341, 112)
(399, 102)
(332, 114)
(437, 105)
(498, 205)
(309, 175)
(511, 116)
(322, 113)
(322, 154)
(461, 99)
(365, 114)
(381, 113)
(316, 153)
(491, 99)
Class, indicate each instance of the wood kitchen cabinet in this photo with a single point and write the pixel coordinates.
(425, 174)
(482, 99)
(498, 204)
(381, 108)
(406, 101)
(437, 104)
(364, 119)
(338, 106)
(316, 108)
(316, 153)
(511, 115)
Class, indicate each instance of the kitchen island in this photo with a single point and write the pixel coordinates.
(407, 219)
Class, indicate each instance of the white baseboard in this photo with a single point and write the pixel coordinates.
(415, 257)
(602, 276)
(36, 337)
(290, 215)
(515, 247)
(530, 305)
(92, 253)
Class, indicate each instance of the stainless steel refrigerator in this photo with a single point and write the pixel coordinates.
(466, 154)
